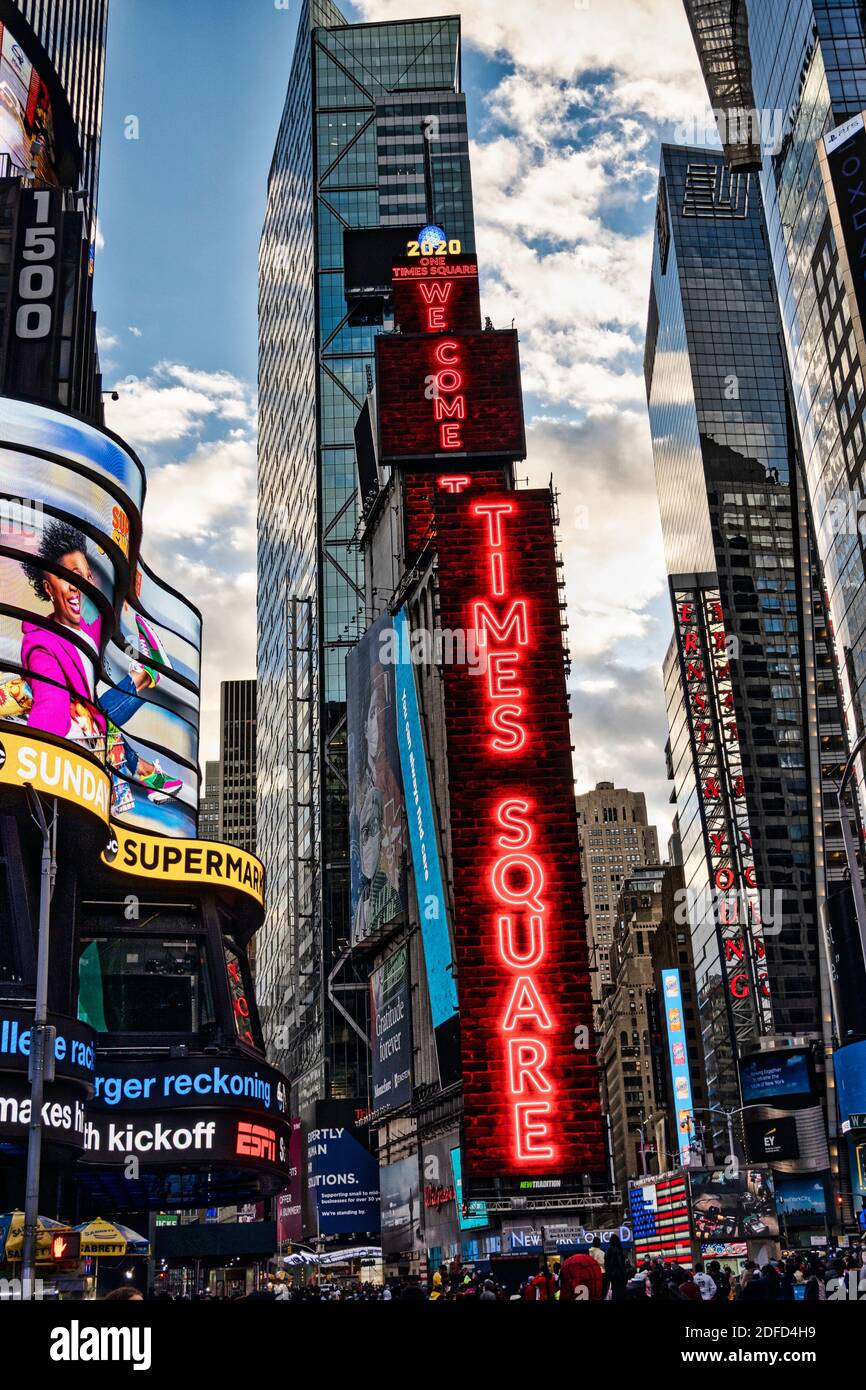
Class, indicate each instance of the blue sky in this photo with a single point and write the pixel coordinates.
(568, 100)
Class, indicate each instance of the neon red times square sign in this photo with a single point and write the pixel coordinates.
(434, 295)
(531, 1104)
(448, 396)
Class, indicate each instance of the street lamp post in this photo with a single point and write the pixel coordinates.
(41, 1068)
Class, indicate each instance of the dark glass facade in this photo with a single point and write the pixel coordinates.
(237, 786)
(373, 134)
(734, 680)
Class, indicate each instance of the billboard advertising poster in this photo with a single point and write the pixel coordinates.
(770, 1140)
(426, 860)
(849, 1064)
(401, 1207)
(681, 1081)
(660, 1220)
(734, 1206)
(79, 660)
(290, 1220)
(475, 1213)
(391, 1032)
(342, 1174)
(377, 836)
(801, 1201)
(473, 409)
(26, 114)
(532, 1118)
(777, 1078)
(439, 1192)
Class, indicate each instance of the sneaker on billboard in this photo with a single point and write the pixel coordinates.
(150, 648)
(161, 786)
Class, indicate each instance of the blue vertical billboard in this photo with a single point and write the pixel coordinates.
(426, 863)
(681, 1083)
(342, 1173)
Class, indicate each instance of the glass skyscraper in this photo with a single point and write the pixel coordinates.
(801, 64)
(373, 135)
(740, 747)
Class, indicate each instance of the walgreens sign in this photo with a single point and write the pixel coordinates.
(531, 1107)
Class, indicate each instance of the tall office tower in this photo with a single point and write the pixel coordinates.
(72, 33)
(237, 789)
(615, 839)
(209, 803)
(373, 135)
(800, 70)
(625, 1047)
(736, 675)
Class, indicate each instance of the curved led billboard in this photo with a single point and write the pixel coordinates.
(94, 648)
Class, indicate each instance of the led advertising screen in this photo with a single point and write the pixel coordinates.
(401, 1206)
(661, 1226)
(391, 1032)
(734, 1206)
(777, 1078)
(426, 860)
(771, 1140)
(342, 1174)
(449, 397)
(26, 116)
(532, 1117)
(800, 1200)
(679, 1061)
(377, 833)
(849, 1064)
(94, 650)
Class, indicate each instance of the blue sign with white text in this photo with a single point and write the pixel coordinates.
(426, 866)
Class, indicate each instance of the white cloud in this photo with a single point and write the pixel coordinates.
(136, 332)
(175, 401)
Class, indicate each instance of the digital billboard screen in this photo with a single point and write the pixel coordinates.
(390, 1027)
(772, 1140)
(660, 1220)
(449, 397)
(377, 832)
(26, 115)
(777, 1078)
(94, 649)
(401, 1206)
(532, 1118)
(341, 1172)
(733, 1206)
(849, 1065)
(426, 860)
(678, 1056)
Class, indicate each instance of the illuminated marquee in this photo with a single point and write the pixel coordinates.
(449, 396)
(437, 296)
(705, 666)
(531, 1105)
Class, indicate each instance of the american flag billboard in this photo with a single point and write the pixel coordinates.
(660, 1219)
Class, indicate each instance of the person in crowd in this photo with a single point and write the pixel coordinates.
(705, 1282)
(615, 1269)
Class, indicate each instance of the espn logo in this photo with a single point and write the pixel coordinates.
(254, 1141)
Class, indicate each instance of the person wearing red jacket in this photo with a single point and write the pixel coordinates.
(580, 1272)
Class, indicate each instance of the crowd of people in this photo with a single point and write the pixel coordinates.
(594, 1275)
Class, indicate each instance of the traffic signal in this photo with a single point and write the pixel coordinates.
(65, 1247)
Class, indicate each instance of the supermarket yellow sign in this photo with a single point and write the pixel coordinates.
(55, 771)
(185, 861)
